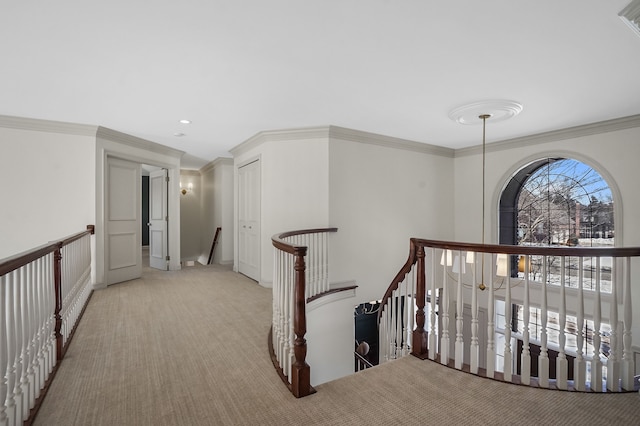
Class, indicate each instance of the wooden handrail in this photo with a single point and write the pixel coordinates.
(18, 264)
(300, 370)
(420, 338)
(11, 263)
(414, 243)
(532, 250)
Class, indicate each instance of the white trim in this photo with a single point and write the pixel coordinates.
(554, 136)
(144, 152)
(220, 161)
(340, 133)
(38, 125)
(133, 141)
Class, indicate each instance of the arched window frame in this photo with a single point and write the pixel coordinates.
(529, 164)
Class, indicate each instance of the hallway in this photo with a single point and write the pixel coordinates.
(190, 348)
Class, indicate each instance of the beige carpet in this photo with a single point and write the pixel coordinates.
(190, 348)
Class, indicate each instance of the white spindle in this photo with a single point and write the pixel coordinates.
(459, 345)
(627, 353)
(562, 364)
(475, 349)
(525, 358)
(543, 359)
(432, 304)
(444, 312)
(508, 358)
(12, 412)
(613, 363)
(4, 285)
(596, 363)
(491, 331)
(19, 359)
(579, 364)
(30, 334)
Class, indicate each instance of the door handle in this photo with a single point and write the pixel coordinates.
(148, 223)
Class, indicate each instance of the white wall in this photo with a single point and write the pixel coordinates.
(614, 155)
(47, 184)
(217, 211)
(190, 215)
(294, 180)
(379, 198)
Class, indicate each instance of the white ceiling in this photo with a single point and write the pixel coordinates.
(237, 67)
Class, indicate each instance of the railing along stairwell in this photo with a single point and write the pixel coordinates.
(550, 317)
(43, 293)
(300, 275)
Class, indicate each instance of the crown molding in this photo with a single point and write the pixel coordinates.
(189, 172)
(340, 133)
(135, 142)
(280, 135)
(388, 141)
(555, 135)
(51, 126)
(220, 161)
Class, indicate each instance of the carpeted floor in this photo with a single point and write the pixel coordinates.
(190, 348)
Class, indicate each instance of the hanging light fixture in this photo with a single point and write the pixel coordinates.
(475, 113)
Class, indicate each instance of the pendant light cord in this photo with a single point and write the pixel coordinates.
(484, 124)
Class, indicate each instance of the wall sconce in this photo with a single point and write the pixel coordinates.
(184, 190)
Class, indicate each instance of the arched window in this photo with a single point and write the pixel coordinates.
(555, 201)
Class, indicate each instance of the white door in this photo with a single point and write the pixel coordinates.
(249, 220)
(158, 220)
(123, 221)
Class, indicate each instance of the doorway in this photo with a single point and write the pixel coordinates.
(249, 220)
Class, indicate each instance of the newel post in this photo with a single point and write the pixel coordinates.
(300, 371)
(420, 336)
(57, 283)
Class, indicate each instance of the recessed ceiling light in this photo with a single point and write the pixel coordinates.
(178, 135)
(185, 121)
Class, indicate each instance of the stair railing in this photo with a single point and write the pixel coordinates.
(43, 293)
(502, 311)
(300, 272)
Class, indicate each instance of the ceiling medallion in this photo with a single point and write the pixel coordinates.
(496, 109)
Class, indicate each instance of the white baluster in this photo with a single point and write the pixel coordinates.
(12, 409)
(444, 313)
(28, 387)
(51, 321)
(613, 363)
(596, 363)
(459, 345)
(474, 349)
(40, 323)
(543, 359)
(562, 364)
(579, 364)
(508, 358)
(627, 353)
(4, 346)
(432, 303)
(525, 357)
(491, 331)
(19, 359)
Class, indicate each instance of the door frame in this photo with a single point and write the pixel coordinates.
(236, 227)
(130, 148)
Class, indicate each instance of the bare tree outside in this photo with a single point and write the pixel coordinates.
(565, 202)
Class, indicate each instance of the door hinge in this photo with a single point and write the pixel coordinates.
(166, 218)
(168, 258)
(166, 178)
